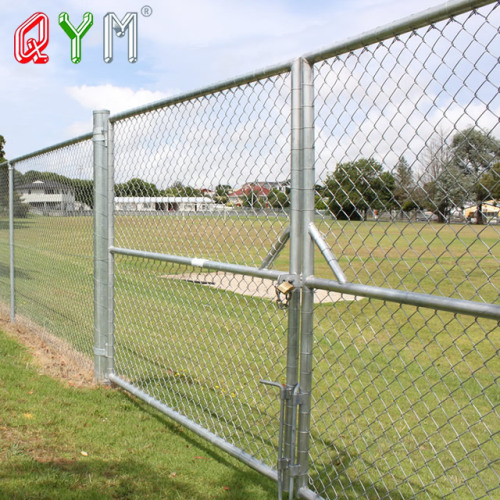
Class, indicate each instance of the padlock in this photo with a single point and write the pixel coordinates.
(285, 287)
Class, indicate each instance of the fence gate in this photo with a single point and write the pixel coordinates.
(197, 325)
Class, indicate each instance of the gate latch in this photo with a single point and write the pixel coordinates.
(293, 394)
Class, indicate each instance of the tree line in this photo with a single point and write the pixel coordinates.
(465, 171)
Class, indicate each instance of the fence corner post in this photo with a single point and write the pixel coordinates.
(11, 245)
(102, 345)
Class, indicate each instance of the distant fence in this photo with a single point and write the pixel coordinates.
(341, 351)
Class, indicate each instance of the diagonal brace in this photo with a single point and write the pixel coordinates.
(276, 249)
(327, 253)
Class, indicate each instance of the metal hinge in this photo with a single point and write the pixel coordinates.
(285, 465)
(99, 135)
(107, 351)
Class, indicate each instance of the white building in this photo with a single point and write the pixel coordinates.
(154, 204)
(47, 195)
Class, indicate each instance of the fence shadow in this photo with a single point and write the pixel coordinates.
(241, 475)
(18, 224)
(90, 478)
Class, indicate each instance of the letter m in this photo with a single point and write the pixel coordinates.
(129, 23)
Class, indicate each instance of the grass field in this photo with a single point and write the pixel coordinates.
(404, 398)
(63, 442)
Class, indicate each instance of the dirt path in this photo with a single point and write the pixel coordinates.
(248, 285)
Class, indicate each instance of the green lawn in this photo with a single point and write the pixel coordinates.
(404, 398)
(63, 442)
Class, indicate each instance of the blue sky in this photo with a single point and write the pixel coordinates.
(183, 45)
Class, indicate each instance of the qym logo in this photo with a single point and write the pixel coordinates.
(35, 47)
(31, 49)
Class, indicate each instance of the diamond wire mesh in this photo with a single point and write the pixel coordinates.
(54, 244)
(214, 174)
(407, 143)
(4, 235)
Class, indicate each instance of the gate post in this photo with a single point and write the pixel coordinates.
(295, 265)
(306, 336)
(102, 347)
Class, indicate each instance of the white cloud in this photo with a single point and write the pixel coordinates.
(112, 97)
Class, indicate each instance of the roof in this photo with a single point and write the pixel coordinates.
(247, 189)
(44, 185)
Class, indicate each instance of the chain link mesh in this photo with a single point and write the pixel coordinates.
(4, 235)
(54, 244)
(408, 155)
(214, 181)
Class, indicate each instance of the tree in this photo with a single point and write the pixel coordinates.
(404, 190)
(252, 200)
(445, 185)
(490, 182)
(2, 152)
(450, 189)
(84, 191)
(136, 187)
(278, 199)
(222, 193)
(4, 177)
(20, 208)
(356, 187)
(474, 153)
(178, 189)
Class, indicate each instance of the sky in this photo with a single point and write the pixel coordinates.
(182, 45)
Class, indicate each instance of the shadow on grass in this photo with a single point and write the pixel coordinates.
(19, 273)
(241, 474)
(91, 478)
(18, 224)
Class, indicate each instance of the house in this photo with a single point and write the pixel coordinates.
(47, 195)
(261, 189)
(258, 188)
(155, 204)
(490, 210)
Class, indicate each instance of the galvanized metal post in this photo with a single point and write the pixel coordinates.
(11, 246)
(111, 259)
(295, 258)
(101, 244)
(306, 357)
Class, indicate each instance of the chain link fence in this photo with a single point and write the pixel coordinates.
(407, 166)
(53, 244)
(206, 209)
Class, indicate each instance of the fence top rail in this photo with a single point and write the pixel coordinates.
(48, 149)
(410, 23)
(206, 91)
